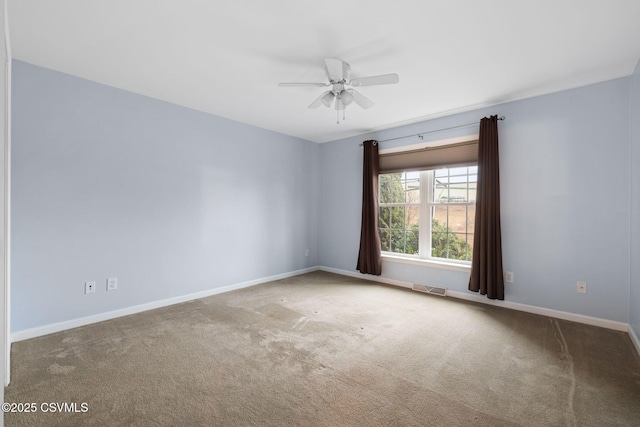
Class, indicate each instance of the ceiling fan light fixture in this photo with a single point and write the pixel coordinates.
(346, 97)
(327, 99)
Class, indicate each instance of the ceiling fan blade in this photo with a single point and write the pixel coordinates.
(296, 84)
(322, 99)
(361, 100)
(337, 69)
(384, 79)
(346, 71)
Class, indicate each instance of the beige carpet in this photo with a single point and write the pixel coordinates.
(327, 350)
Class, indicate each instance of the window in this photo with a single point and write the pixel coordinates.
(429, 214)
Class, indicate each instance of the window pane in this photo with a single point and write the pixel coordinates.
(412, 239)
(441, 172)
(458, 246)
(458, 193)
(385, 240)
(439, 245)
(413, 190)
(458, 171)
(391, 188)
(413, 175)
(473, 185)
(457, 218)
(439, 220)
(397, 217)
(452, 231)
(397, 241)
(412, 216)
(471, 221)
(399, 214)
(384, 186)
(384, 217)
(441, 190)
(457, 185)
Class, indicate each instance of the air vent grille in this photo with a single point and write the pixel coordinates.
(428, 289)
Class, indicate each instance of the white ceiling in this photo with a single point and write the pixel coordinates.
(226, 57)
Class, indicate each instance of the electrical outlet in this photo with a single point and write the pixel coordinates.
(89, 287)
(508, 276)
(112, 283)
(306, 252)
(581, 287)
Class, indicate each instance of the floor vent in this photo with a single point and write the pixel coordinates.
(427, 289)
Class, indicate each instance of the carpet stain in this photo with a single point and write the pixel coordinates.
(279, 312)
(301, 323)
(56, 369)
(566, 355)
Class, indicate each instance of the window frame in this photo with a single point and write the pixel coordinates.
(426, 204)
(426, 208)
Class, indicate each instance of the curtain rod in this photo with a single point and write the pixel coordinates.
(432, 131)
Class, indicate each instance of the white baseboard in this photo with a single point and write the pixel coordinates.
(595, 321)
(564, 315)
(82, 321)
(634, 338)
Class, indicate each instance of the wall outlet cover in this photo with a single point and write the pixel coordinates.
(112, 283)
(89, 287)
(581, 287)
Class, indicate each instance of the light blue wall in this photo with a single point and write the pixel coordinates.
(109, 183)
(634, 120)
(564, 186)
(169, 200)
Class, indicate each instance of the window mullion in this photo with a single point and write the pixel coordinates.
(426, 194)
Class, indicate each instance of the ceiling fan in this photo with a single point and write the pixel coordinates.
(339, 73)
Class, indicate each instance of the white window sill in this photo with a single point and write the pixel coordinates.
(427, 262)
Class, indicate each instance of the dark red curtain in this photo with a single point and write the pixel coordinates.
(486, 265)
(369, 258)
